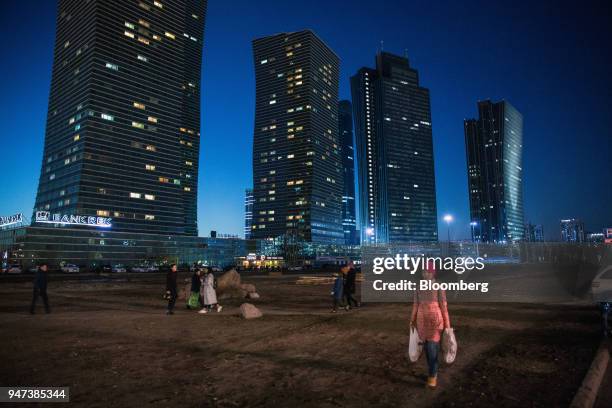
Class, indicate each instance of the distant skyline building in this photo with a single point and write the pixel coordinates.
(494, 150)
(297, 167)
(572, 230)
(345, 129)
(123, 125)
(534, 232)
(397, 189)
(248, 213)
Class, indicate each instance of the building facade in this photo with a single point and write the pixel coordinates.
(572, 230)
(345, 130)
(397, 189)
(534, 232)
(248, 213)
(494, 150)
(123, 125)
(297, 167)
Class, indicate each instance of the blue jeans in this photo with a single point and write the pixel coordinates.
(431, 352)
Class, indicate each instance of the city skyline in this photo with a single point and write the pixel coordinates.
(584, 191)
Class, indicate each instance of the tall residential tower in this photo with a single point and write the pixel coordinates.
(345, 129)
(297, 168)
(397, 189)
(494, 149)
(123, 124)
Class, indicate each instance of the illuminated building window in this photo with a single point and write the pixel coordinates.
(150, 167)
(163, 180)
(135, 195)
(129, 34)
(130, 25)
(187, 188)
(143, 40)
(152, 119)
(158, 4)
(149, 217)
(142, 58)
(149, 197)
(114, 67)
(139, 105)
(103, 213)
(138, 125)
(189, 163)
(106, 116)
(143, 22)
(76, 137)
(170, 35)
(151, 148)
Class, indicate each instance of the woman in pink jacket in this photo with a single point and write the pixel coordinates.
(430, 317)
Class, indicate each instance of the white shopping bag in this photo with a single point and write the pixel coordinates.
(449, 346)
(415, 346)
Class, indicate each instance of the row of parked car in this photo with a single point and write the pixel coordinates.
(72, 268)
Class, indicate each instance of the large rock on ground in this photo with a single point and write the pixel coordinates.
(249, 311)
(248, 287)
(230, 279)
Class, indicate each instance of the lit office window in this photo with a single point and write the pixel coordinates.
(135, 195)
(139, 105)
(149, 197)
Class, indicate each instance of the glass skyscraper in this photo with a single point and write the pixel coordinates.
(397, 189)
(248, 213)
(123, 125)
(494, 149)
(345, 129)
(297, 165)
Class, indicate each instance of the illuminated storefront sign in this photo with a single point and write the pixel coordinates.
(45, 217)
(11, 219)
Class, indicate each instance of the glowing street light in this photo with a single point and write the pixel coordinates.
(448, 219)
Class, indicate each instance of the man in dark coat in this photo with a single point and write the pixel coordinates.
(171, 289)
(40, 288)
(349, 285)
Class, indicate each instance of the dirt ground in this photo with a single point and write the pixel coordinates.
(112, 344)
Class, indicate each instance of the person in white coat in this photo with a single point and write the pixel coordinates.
(209, 294)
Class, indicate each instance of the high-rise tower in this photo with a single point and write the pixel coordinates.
(397, 189)
(297, 168)
(494, 149)
(123, 125)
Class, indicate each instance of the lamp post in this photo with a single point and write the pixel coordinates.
(474, 224)
(448, 219)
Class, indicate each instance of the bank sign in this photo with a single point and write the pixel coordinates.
(45, 217)
(11, 219)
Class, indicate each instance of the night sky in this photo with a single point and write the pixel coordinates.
(551, 61)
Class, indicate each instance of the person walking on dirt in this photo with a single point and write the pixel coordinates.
(430, 317)
(196, 284)
(40, 288)
(209, 293)
(349, 285)
(171, 288)
(337, 289)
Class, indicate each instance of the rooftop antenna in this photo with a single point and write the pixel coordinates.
(382, 45)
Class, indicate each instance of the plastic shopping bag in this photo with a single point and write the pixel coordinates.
(415, 346)
(449, 346)
(194, 300)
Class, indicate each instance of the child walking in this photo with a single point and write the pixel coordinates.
(337, 291)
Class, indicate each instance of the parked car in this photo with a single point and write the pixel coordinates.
(601, 287)
(119, 269)
(70, 268)
(13, 269)
(139, 268)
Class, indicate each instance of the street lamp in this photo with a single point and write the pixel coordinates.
(448, 219)
(474, 224)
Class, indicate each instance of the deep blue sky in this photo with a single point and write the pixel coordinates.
(551, 61)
